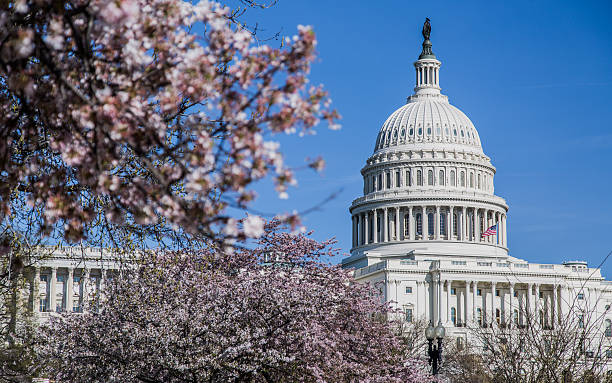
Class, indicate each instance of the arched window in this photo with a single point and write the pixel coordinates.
(406, 226)
(430, 179)
(398, 179)
(378, 228)
(455, 229)
(419, 224)
(452, 178)
(442, 223)
(608, 331)
(370, 229)
(479, 181)
(479, 315)
(408, 179)
(462, 177)
(380, 181)
(471, 180)
(419, 178)
(441, 178)
(430, 223)
(373, 185)
(454, 316)
(498, 316)
(388, 177)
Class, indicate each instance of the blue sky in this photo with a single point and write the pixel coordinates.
(533, 76)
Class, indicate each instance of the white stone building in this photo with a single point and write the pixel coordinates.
(428, 195)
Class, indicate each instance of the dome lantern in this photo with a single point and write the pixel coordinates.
(427, 68)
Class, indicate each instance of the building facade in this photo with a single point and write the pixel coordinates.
(430, 231)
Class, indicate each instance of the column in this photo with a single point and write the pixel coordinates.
(474, 292)
(397, 223)
(385, 227)
(52, 290)
(504, 235)
(493, 284)
(69, 290)
(464, 230)
(448, 300)
(354, 220)
(411, 224)
(86, 289)
(375, 226)
(451, 224)
(536, 300)
(437, 223)
(510, 304)
(476, 231)
(466, 303)
(366, 228)
(460, 306)
(36, 292)
(102, 283)
(417, 309)
(425, 224)
(553, 308)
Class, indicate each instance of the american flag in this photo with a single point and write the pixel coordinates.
(490, 231)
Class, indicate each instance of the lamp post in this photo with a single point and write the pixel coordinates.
(435, 353)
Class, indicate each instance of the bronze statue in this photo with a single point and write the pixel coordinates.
(426, 29)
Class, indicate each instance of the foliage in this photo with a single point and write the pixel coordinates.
(146, 120)
(271, 314)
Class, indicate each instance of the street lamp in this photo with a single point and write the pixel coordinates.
(435, 353)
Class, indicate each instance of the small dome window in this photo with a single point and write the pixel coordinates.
(455, 132)
(395, 134)
(447, 133)
(438, 131)
(462, 135)
(429, 131)
(411, 131)
(420, 131)
(403, 132)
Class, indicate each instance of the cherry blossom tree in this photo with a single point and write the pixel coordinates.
(271, 314)
(146, 120)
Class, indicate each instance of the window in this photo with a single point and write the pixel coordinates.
(380, 182)
(398, 180)
(498, 316)
(430, 179)
(442, 224)
(419, 224)
(580, 296)
(430, 223)
(408, 179)
(471, 180)
(479, 313)
(455, 229)
(409, 315)
(43, 278)
(496, 293)
(406, 226)
(419, 178)
(479, 181)
(515, 317)
(388, 177)
(581, 321)
(608, 331)
(43, 305)
(408, 290)
(453, 291)
(420, 131)
(452, 178)
(609, 353)
(607, 307)
(441, 178)
(515, 294)
(60, 278)
(462, 179)
(454, 316)
(76, 307)
(479, 292)
(373, 184)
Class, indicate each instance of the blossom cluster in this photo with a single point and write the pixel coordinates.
(146, 112)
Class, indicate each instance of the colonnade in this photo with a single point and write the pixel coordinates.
(428, 74)
(399, 223)
(500, 303)
(88, 280)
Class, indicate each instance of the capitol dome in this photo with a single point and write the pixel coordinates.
(428, 187)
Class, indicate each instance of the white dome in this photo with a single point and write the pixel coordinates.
(431, 121)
